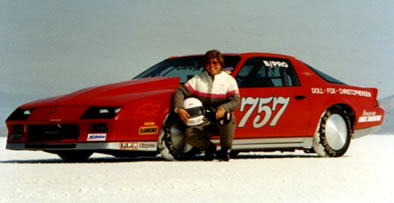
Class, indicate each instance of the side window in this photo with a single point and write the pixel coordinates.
(266, 72)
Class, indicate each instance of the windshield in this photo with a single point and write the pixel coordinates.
(184, 67)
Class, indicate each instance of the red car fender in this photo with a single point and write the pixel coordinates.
(142, 119)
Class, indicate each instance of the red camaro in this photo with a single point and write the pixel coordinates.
(285, 105)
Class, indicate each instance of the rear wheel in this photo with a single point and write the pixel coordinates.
(74, 156)
(171, 141)
(333, 134)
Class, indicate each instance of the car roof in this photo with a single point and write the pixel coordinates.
(243, 55)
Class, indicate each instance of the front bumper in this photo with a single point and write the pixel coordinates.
(100, 146)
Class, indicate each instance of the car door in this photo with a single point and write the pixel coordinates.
(273, 103)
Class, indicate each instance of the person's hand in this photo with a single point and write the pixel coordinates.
(183, 115)
(220, 113)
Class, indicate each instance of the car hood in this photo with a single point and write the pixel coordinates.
(112, 94)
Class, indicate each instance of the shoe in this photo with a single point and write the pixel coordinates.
(210, 152)
(223, 155)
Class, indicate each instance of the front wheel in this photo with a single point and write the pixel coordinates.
(171, 142)
(333, 135)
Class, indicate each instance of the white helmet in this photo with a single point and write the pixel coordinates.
(195, 109)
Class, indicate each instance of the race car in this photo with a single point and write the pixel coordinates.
(286, 105)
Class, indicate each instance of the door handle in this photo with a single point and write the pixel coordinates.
(300, 97)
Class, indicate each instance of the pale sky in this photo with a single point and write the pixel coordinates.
(53, 47)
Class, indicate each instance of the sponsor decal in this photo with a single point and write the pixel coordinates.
(147, 146)
(268, 109)
(272, 64)
(369, 117)
(135, 146)
(129, 146)
(97, 137)
(149, 128)
(340, 91)
(355, 92)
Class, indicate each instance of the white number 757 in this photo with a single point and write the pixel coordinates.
(262, 104)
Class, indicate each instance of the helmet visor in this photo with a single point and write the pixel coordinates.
(196, 111)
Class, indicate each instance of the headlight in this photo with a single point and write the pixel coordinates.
(20, 114)
(100, 112)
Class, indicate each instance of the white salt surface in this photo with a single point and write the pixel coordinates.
(364, 174)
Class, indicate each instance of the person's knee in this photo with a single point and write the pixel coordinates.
(227, 135)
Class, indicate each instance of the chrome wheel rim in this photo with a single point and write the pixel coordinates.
(336, 132)
(178, 138)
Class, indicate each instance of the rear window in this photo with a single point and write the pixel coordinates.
(324, 76)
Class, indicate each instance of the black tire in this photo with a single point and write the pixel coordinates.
(333, 135)
(74, 156)
(171, 141)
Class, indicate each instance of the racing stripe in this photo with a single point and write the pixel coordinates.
(229, 93)
(190, 88)
(202, 94)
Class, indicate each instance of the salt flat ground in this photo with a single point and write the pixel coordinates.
(364, 174)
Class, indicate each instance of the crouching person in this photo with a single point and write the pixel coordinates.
(218, 93)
